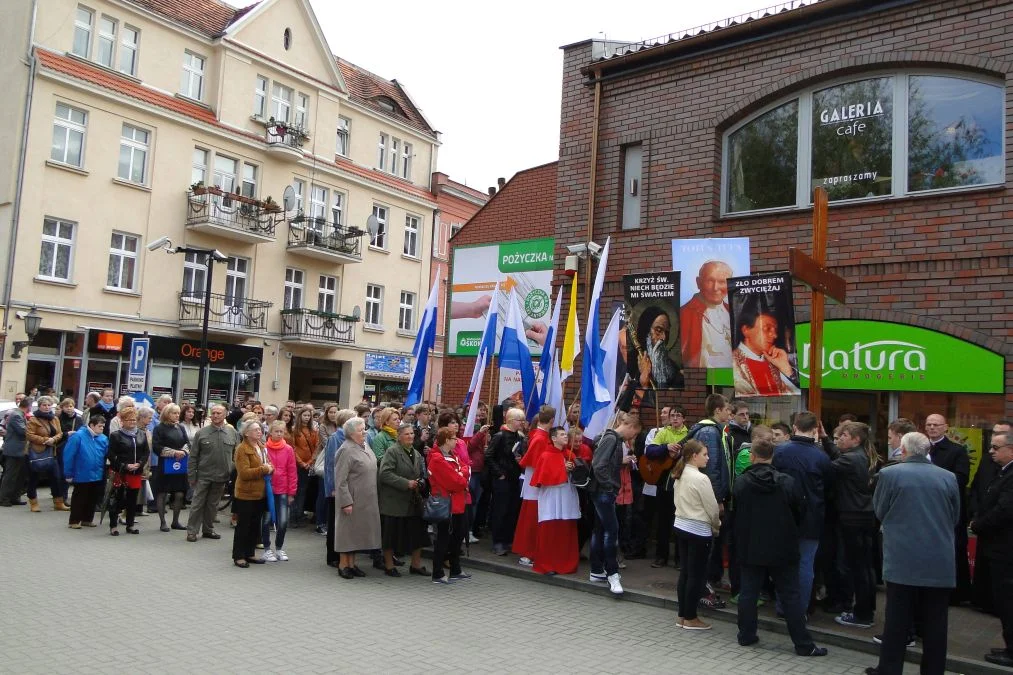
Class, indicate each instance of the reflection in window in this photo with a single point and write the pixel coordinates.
(954, 133)
(852, 146)
(762, 164)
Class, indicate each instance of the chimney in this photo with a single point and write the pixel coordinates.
(501, 182)
(492, 192)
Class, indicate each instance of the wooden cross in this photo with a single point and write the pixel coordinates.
(812, 271)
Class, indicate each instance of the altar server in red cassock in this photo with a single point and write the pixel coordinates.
(558, 508)
(526, 534)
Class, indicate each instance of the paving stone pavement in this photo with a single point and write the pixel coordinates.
(81, 601)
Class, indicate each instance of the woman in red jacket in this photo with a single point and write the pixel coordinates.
(448, 476)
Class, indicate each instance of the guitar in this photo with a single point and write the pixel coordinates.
(651, 470)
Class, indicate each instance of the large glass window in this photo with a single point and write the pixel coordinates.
(762, 163)
(885, 136)
(954, 133)
(57, 249)
(68, 135)
(133, 155)
(122, 272)
(82, 32)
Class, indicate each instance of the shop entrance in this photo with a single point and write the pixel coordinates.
(870, 407)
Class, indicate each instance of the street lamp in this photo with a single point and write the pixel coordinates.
(206, 256)
(33, 321)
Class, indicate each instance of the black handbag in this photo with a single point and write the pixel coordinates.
(436, 509)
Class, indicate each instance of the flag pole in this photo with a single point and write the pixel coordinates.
(492, 376)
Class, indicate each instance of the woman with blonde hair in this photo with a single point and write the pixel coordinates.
(387, 422)
(122, 403)
(252, 465)
(43, 432)
(170, 444)
(697, 522)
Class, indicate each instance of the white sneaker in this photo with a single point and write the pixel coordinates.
(282, 556)
(614, 585)
(527, 562)
(472, 539)
(269, 556)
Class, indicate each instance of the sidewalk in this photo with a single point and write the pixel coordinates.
(971, 633)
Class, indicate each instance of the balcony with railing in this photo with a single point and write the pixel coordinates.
(323, 329)
(229, 215)
(285, 139)
(324, 240)
(228, 314)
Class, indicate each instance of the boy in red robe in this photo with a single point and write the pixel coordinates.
(526, 533)
(558, 508)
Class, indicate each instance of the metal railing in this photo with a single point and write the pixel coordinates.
(228, 312)
(293, 137)
(226, 210)
(320, 326)
(320, 233)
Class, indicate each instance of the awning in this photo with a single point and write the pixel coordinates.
(379, 375)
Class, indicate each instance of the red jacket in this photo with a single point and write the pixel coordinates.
(476, 450)
(447, 476)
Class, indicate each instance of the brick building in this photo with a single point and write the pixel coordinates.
(726, 129)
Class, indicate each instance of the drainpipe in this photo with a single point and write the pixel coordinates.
(22, 153)
(593, 180)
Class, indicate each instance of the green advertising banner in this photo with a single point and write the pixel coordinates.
(885, 356)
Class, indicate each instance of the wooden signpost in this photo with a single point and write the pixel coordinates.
(812, 271)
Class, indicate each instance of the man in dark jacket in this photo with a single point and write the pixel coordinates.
(767, 515)
(15, 452)
(993, 524)
(804, 460)
(739, 425)
(981, 584)
(504, 472)
(954, 458)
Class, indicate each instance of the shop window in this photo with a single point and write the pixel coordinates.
(872, 138)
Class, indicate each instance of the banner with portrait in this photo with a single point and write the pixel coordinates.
(764, 348)
(653, 352)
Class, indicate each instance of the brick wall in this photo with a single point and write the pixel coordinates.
(940, 258)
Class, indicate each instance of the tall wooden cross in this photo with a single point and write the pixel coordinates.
(812, 271)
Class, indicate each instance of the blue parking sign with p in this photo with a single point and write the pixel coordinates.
(137, 374)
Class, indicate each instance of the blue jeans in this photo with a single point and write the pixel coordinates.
(806, 558)
(605, 537)
(280, 527)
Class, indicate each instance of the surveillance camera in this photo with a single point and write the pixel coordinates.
(219, 256)
(594, 248)
(161, 242)
(576, 249)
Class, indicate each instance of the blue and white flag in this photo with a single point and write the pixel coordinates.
(594, 380)
(554, 392)
(602, 418)
(545, 362)
(425, 340)
(485, 351)
(513, 349)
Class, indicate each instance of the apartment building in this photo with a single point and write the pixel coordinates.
(191, 120)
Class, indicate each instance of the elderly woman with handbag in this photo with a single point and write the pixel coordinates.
(129, 452)
(448, 480)
(171, 445)
(44, 434)
(401, 483)
(252, 465)
(357, 518)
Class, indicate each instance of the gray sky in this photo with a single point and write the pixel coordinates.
(487, 75)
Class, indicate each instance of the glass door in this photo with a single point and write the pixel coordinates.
(235, 291)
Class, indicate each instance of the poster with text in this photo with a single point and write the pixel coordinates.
(510, 385)
(653, 352)
(705, 266)
(523, 266)
(764, 353)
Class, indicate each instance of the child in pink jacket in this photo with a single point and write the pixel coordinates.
(284, 484)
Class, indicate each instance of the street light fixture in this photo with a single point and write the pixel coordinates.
(206, 256)
(33, 321)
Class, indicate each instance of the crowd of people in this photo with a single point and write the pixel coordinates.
(794, 515)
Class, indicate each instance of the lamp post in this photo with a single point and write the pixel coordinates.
(33, 321)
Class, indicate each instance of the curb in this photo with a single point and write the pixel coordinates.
(954, 664)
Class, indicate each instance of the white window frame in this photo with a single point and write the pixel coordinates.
(196, 271)
(374, 307)
(83, 28)
(281, 102)
(58, 243)
(68, 126)
(299, 187)
(327, 293)
(193, 74)
(406, 161)
(224, 179)
(406, 312)
(302, 111)
(899, 148)
(412, 231)
(249, 180)
(135, 147)
(106, 39)
(121, 254)
(343, 136)
(338, 208)
(381, 152)
(129, 47)
(395, 155)
(237, 275)
(382, 214)
(261, 85)
(318, 203)
(294, 287)
(199, 165)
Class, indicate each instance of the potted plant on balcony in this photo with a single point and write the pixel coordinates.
(270, 205)
(198, 188)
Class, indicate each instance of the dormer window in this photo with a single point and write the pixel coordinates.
(387, 104)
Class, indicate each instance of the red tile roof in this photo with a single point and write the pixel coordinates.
(210, 17)
(367, 89)
(384, 179)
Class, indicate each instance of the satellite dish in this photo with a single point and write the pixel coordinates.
(372, 226)
(356, 313)
(288, 198)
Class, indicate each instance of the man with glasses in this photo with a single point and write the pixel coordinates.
(994, 526)
(981, 584)
(954, 458)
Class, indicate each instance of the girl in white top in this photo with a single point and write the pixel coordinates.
(696, 522)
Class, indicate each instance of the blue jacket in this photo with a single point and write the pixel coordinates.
(806, 462)
(919, 507)
(330, 457)
(84, 456)
(719, 458)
